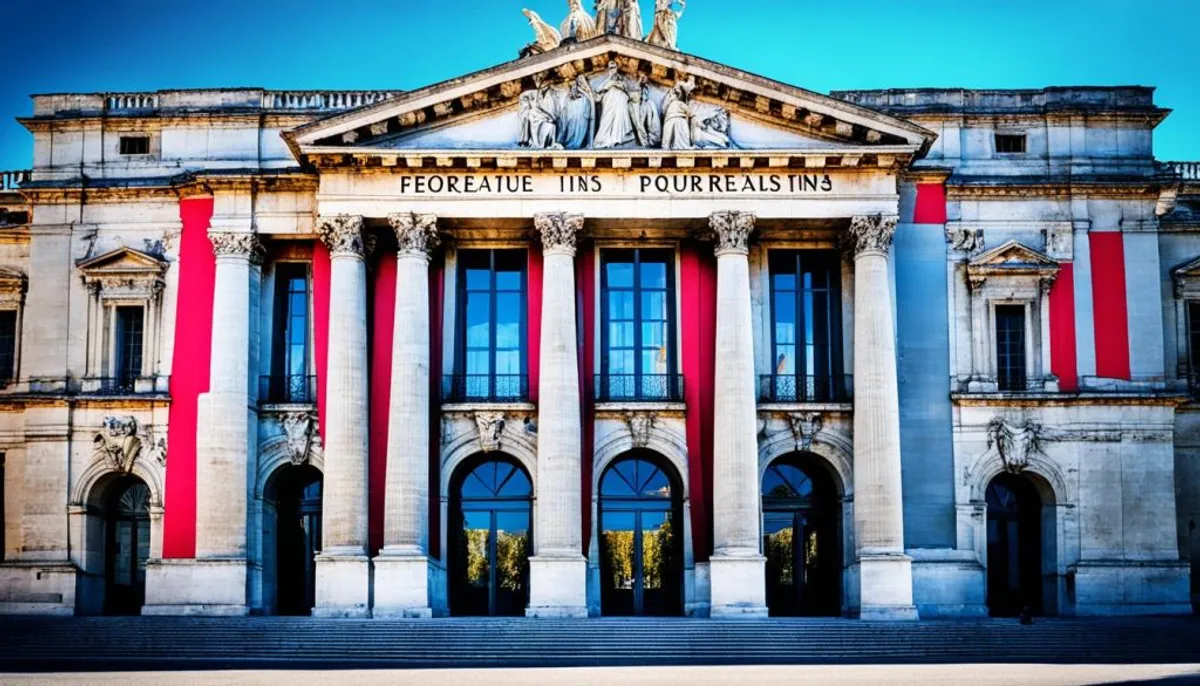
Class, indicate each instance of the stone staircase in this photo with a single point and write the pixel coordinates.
(259, 642)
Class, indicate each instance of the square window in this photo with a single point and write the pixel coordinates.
(135, 145)
(1010, 143)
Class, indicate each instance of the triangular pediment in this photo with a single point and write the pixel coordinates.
(1188, 270)
(1012, 257)
(123, 261)
(486, 111)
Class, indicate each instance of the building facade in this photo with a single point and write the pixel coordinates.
(608, 329)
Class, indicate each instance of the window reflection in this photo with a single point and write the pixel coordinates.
(640, 548)
(637, 349)
(491, 339)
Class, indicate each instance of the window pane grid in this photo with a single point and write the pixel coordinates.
(1010, 347)
(491, 338)
(637, 329)
(805, 331)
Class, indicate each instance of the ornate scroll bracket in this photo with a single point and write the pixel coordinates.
(243, 245)
(342, 234)
(416, 234)
(300, 430)
(641, 425)
(491, 430)
(805, 426)
(559, 231)
(732, 231)
(871, 234)
(1016, 443)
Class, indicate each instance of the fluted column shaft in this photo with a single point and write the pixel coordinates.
(225, 426)
(886, 575)
(737, 568)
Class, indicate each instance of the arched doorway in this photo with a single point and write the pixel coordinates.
(801, 538)
(127, 546)
(295, 492)
(641, 538)
(491, 511)
(1014, 546)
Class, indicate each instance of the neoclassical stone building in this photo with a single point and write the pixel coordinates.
(608, 329)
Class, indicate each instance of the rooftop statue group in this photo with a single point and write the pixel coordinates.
(617, 111)
(619, 17)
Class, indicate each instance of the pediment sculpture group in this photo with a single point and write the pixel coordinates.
(616, 17)
(617, 111)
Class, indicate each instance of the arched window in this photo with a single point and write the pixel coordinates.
(490, 519)
(640, 539)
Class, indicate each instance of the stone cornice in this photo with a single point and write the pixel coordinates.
(1034, 399)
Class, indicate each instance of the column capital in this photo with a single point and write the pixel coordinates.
(559, 231)
(732, 231)
(416, 234)
(871, 233)
(342, 234)
(232, 244)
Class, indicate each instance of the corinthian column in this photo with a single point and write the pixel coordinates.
(558, 571)
(343, 570)
(738, 570)
(402, 566)
(226, 430)
(885, 571)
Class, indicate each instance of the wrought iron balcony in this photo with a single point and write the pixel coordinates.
(123, 385)
(485, 388)
(639, 388)
(298, 389)
(803, 388)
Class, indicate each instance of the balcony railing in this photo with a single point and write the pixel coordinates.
(803, 388)
(485, 388)
(11, 180)
(639, 388)
(1188, 171)
(299, 389)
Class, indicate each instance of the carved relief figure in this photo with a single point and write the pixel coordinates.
(545, 36)
(629, 20)
(578, 25)
(677, 116)
(615, 126)
(712, 132)
(578, 116)
(1015, 443)
(538, 114)
(665, 32)
(299, 428)
(647, 122)
(119, 443)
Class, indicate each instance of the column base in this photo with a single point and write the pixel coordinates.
(343, 586)
(196, 587)
(557, 586)
(886, 587)
(739, 586)
(401, 585)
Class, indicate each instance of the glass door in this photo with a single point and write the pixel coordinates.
(639, 546)
(490, 564)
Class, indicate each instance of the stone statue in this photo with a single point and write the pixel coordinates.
(665, 32)
(118, 441)
(578, 116)
(629, 20)
(578, 25)
(712, 132)
(677, 116)
(546, 37)
(538, 114)
(647, 121)
(607, 13)
(614, 127)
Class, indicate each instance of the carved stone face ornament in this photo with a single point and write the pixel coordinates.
(641, 425)
(491, 429)
(299, 429)
(119, 443)
(805, 426)
(1016, 444)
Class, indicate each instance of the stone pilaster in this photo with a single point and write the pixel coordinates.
(402, 566)
(885, 571)
(343, 570)
(558, 571)
(738, 570)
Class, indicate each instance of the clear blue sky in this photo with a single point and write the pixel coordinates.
(126, 45)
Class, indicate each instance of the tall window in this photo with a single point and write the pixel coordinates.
(1010, 347)
(8, 345)
(1194, 338)
(290, 380)
(637, 331)
(129, 321)
(490, 351)
(806, 331)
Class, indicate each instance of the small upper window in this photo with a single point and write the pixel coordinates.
(1010, 142)
(135, 145)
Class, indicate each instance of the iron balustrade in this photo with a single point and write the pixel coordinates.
(119, 385)
(639, 387)
(486, 388)
(298, 389)
(804, 388)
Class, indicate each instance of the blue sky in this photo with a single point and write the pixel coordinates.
(122, 45)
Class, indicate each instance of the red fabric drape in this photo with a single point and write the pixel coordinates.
(436, 293)
(698, 288)
(585, 277)
(320, 286)
(534, 321)
(189, 374)
(1062, 329)
(383, 314)
(1109, 307)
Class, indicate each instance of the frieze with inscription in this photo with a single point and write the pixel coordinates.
(615, 185)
